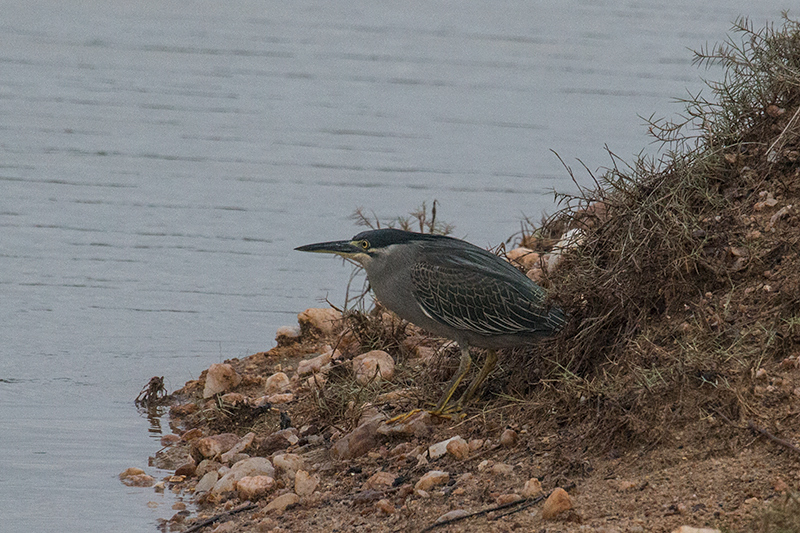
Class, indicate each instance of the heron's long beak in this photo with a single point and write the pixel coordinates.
(345, 248)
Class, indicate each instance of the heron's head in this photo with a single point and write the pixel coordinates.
(367, 246)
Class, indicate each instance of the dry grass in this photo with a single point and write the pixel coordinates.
(674, 299)
(783, 516)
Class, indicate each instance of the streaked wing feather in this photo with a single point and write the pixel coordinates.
(477, 292)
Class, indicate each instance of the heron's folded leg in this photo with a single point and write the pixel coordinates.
(463, 368)
(488, 366)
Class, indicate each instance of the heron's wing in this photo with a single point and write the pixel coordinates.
(473, 290)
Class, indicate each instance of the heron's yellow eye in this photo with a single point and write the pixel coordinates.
(364, 245)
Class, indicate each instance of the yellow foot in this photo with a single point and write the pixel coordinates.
(403, 417)
(443, 413)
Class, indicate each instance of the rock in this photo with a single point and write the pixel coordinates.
(315, 364)
(485, 465)
(226, 483)
(357, 442)
(280, 398)
(502, 469)
(367, 496)
(243, 443)
(503, 499)
(374, 366)
(524, 256)
(768, 201)
(591, 217)
(234, 398)
(625, 485)
(316, 381)
(418, 425)
(690, 529)
(780, 485)
(287, 464)
(220, 377)
(532, 488)
(207, 482)
(132, 471)
(279, 440)
(394, 396)
(287, 335)
(186, 469)
(475, 445)
(304, 483)
(440, 448)
(192, 434)
(404, 491)
(135, 477)
(379, 481)
(226, 527)
(325, 321)
(425, 353)
(555, 504)
(238, 457)
(169, 440)
(215, 444)
(402, 450)
(254, 466)
(280, 503)
(277, 382)
(451, 515)
(432, 479)
(205, 466)
(385, 506)
(508, 438)
(254, 487)
(571, 239)
(184, 409)
(458, 448)
(267, 525)
(172, 457)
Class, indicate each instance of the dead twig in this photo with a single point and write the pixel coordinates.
(761, 431)
(472, 515)
(773, 438)
(528, 503)
(216, 518)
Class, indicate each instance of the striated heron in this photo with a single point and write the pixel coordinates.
(452, 289)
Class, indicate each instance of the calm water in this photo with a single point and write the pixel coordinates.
(160, 160)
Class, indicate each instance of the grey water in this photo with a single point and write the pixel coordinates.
(160, 161)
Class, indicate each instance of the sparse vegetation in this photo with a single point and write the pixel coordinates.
(686, 281)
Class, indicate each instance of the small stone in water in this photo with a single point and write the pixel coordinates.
(135, 477)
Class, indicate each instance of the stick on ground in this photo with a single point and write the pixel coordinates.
(208, 521)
